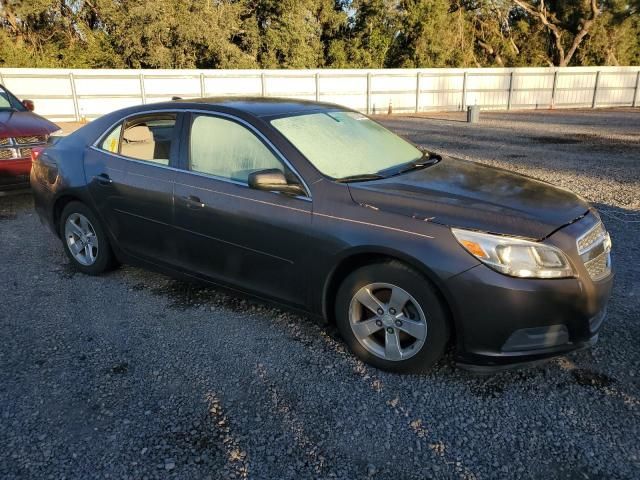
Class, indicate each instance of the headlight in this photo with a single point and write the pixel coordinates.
(515, 257)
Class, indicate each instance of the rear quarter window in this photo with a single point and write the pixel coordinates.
(111, 142)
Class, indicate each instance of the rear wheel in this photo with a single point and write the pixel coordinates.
(84, 240)
(391, 318)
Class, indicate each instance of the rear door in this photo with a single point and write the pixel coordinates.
(131, 180)
(255, 240)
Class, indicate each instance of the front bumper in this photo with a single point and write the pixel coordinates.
(14, 174)
(502, 321)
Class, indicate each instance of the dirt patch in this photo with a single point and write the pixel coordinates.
(590, 378)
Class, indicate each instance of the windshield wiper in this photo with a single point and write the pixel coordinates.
(364, 177)
(427, 160)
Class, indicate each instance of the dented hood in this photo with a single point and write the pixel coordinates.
(465, 194)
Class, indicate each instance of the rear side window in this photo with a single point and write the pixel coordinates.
(226, 149)
(146, 138)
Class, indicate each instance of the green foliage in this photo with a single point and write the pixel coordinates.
(292, 33)
(615, 39)
(428, 36)
(365, 41)
(317, 33)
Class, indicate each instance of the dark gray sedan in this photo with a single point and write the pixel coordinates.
(320, 208)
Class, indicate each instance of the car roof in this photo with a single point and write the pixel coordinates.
(263, 106)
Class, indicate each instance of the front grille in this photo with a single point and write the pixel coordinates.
(25, 153)
(6, 153)
(5, 141)
(594, 248)
(31, 139)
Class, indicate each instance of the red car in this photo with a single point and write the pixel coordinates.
(20, 131)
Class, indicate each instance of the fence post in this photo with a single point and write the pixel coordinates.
(263, 85)
(368, 93)
(553, 89)
(635, 93)
(464, 91)
(418, 92)
(143, 93)
(74, 96)
(317, 87)
(1, 79)
(595, 90)
(510, 91)
(202, 87)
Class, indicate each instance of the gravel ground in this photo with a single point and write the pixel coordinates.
(135, 375)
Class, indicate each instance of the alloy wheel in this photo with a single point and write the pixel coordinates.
(387, 321)
(81, 239)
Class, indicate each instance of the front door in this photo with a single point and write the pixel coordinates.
(231, 233)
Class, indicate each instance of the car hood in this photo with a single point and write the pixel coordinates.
(465, 194)
(13, 124)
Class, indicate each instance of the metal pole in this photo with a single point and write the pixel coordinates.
(368, 93)
(595, 90)
(635, 93)
(202, 87)
(76, 108)
(464, 91)
(510, 91)
(143, 94)
(263, 85)
(417, 92)
(556, 74)
(317, 87)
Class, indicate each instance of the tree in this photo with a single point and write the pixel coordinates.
(292, 33)
(567, 22)
(430, 36)
(170, 34)
(368, 36)
(50, 33)
(317, 33)
(615, 38)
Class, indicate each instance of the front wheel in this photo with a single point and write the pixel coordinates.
(84, 240)
(391, 318)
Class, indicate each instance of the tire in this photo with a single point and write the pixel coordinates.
(417, 342)
(97, 256)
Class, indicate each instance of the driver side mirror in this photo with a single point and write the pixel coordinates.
(273, 180)
(29, 105)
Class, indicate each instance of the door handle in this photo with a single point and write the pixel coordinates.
(103, 179)
(193, 201)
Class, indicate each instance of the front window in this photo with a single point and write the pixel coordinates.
(346, 144)
(225, 149)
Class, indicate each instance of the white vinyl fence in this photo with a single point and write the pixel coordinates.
(63, 94)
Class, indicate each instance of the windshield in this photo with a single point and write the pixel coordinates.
(9, 102)
(346, 144)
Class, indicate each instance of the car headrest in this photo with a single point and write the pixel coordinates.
(138, 134)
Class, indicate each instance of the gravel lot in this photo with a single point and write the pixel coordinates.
(135, 375)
